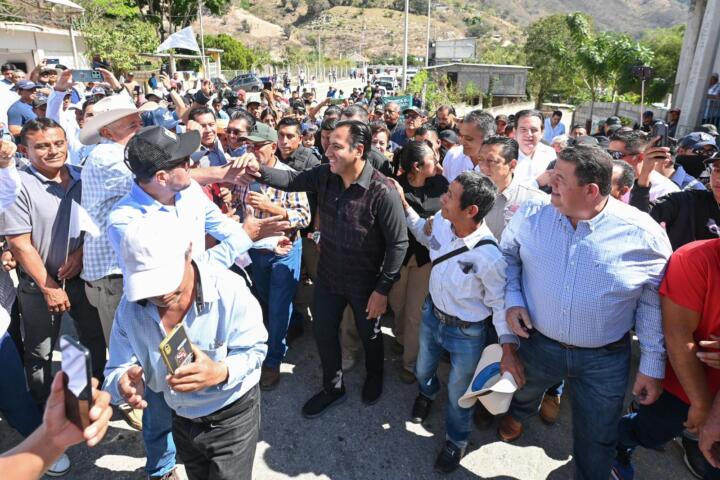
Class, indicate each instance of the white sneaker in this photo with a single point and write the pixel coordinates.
(59, 468)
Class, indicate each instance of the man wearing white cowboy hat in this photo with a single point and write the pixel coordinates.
(467, 284)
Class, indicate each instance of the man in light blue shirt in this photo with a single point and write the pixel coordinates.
(553, 127)
(582, 272)
(211, 384)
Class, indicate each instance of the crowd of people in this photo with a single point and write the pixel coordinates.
(145, 209)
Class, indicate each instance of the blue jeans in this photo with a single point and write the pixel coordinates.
(654, 425)
(157, 435)
(276, 279)
(16, 403)
(465, 346)
(597, 379)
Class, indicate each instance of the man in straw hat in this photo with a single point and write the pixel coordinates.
(456, 317)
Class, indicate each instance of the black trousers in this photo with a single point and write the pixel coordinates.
(40, 331)
(220, 446)
(328, 311)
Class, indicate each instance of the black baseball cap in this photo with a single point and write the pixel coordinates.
(449, 136)
(154, 148)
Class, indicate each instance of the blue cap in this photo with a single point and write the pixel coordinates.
(25, 85)
(696, 140)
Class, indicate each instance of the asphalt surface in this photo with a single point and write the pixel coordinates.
(355, 441)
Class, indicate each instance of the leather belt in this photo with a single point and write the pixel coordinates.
(450, 320)
(567, 346)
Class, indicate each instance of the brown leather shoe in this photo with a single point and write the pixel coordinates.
(550, 409)
(132, 417)
(406, 376)
(171, 475)
(509, 428)
(269, 378)
(481, 417)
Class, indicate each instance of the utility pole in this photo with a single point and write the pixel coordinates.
(202, 41)
(427, 50)
(405, 42)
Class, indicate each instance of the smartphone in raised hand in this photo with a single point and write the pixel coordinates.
(77, 380)
(86, 76)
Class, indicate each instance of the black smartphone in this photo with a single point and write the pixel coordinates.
(77, 375)
(660, 129)
(52, 61)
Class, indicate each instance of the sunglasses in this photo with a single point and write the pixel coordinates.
(619, 155)
(235, 131)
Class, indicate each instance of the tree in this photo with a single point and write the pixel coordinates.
(168, 16)
(549, 51)
(120, 42)
(236, 56)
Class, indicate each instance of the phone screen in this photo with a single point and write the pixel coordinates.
(75, 365)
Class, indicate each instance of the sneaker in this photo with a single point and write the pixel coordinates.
(693, 457)
(269, 378)
(60, 467)
(421, 408)
(622, 470)
(449, 458)
(321, 402)
(372, 389)
(132, 416)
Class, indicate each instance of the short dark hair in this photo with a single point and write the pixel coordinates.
(478, 190)
(196, 112)
(89, 101)
(414, 152)
(557, 113)
(380, 126)
(634, 140)
(510, 148)
(328, 124)
(268, 112)
(8, 67)
(332, 110)
(38, 125)
(359, 135)
(627, 177)
(446, 108)
(242, 114)
(355, 110)
(482, 120)
(290, 122)
(577, 125)
(425, 128)
(530, 113)
(592, 165)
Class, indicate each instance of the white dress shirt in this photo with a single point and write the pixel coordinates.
(470, 286)
(455, 163)
(529, 168)
(508, 202)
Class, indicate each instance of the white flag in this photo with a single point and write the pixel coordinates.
(80, 221)
(185, 38)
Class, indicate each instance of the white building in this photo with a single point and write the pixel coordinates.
(26, 44)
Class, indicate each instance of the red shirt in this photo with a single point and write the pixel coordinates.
(692, 280)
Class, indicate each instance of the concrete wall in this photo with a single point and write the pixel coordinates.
(32, 46)
(509, 81)
(603, 110)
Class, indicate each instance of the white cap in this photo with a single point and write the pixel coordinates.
(105, 112)
(153, 251)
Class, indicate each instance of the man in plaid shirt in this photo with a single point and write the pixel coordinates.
(276, 276)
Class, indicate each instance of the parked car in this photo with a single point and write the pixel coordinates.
(246, 81)
(387, 87)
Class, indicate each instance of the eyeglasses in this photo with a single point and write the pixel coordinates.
(257, 146)
(235, 131)
(620, 155)
(411, 117)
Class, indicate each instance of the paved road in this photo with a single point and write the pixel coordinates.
(355, 441)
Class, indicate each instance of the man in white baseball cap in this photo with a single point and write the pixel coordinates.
(215, 397)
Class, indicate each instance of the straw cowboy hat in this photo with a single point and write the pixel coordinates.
(106, 111)
(495, 391)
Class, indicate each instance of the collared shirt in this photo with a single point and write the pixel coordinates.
(660, 185)
(226, 324)
(551, 132)
(215, 157)
(529, 168)
(455, 163)
(301, 159)
(686, 181)
(588, 286)
(106, 179)
(195, 211)
(363, 232)
(471, 285)
(508, 202)
(42, 209)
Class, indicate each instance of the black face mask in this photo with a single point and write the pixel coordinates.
(693, 164)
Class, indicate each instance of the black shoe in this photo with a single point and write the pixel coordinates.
(421, 408)
(449, 458)
(693, 457)
(295, 331)
(481, 417)
(372, 389)
(320, 403)
(396, 347)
